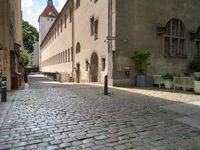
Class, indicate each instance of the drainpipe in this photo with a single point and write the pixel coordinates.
(73, 39)
(110, 30)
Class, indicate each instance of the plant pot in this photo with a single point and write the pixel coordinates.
(168, 84)
(144, 81)
(197, 86)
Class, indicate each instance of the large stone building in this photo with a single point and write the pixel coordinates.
(46, 19)
(93, 38)
(11, 42)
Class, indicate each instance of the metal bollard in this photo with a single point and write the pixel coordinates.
(3, 89)
(25, 76)
(106, 85)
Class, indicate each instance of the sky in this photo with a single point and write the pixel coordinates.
(31, 9)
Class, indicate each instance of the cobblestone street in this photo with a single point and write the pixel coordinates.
(51, 115)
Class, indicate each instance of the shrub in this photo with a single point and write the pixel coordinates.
(167, 77)
(195, 65)
(140, 60)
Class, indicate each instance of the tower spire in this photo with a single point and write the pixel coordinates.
(50, 2)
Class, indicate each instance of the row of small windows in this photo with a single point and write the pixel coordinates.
(94, 27)
(59, 28)
(63, 57)
(174, 35)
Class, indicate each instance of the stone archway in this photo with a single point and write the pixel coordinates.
(94, 67)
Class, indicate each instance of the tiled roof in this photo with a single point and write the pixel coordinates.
(49, 9)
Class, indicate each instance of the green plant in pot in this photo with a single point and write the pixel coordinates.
(195, 67)
(168, 80)
(140, 59)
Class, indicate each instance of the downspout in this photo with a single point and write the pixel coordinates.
(73, 39)
(110, 53)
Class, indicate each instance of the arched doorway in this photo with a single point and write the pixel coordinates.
(94, 68)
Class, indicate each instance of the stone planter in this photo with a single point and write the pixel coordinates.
(144, 81)
(168, 84)
(197, 86)
(197, 74)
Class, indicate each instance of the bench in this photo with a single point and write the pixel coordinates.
(183, 82)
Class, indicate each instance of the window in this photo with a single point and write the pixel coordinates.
(58, 30)
(68, 55)
(78, 4)
(61, 26)
(72, 54)
(96, 29)
(92, 26)
(65, 20)
(70, 17)
(86, 65)
(61, 57)
(64, 57)
(78, 48)
(174, 38)
(103, 64)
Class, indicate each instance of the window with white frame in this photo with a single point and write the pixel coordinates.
(174, 38)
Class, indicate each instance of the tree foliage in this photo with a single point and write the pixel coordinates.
(140, 59)
(24, 56)
(30, 35)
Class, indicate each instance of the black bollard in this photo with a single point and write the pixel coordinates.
(25, 76)
(3, 90)
(106, 85)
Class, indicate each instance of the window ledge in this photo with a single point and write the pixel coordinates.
(168, 56)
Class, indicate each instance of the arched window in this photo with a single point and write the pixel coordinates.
(174, 38)
(78, 48)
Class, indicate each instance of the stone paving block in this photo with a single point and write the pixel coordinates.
(182, 108)
(79, 117)
(190, 121)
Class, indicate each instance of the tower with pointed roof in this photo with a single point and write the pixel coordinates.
(46, 19)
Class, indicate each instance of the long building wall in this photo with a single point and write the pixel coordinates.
(56, 52)
(88, 44)
(131, 25)
(139, 31)
(59, 53)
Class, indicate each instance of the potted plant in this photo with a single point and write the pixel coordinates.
(195, 67)
(140, 58)
(197, 85)
(168, 81)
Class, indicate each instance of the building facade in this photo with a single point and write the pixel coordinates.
(93, 38)
(34, 56)
(46, 19)
(11, 42)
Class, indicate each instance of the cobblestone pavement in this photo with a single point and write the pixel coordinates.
(56, 116)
